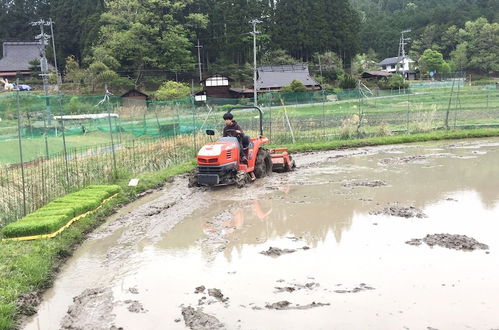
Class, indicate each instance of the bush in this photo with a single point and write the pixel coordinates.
(172, 90)
(348, 82)
(294, 86)
(395, 81)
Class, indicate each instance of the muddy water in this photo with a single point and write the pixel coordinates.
(349, 268)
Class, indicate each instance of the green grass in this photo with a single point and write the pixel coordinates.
(35, 148)
(57, 213)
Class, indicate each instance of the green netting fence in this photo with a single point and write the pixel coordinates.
(53, 145)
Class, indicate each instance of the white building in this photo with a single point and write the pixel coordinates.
(403, 64)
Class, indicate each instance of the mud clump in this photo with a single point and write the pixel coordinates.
(195, 319)
(200, 289)
(372, 184)
(276, 252)
(217, 294)
(456, 242)
(401, 211)
(27, 302)
(92, 309)
(361, 287)
(286, 305)
(134, 306)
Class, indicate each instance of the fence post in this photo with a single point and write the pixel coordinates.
(106, 97)
(194, 123)
(21, 149)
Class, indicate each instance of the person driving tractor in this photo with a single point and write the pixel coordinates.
(233, 129)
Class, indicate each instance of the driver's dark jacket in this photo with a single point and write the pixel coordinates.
(234, 126)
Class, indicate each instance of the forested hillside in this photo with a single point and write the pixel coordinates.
(141, 39)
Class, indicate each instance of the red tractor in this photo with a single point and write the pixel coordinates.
(219, 162)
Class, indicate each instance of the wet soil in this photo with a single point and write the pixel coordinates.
(456, 242)
(180, 254)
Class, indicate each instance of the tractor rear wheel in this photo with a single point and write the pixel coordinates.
(263, 165)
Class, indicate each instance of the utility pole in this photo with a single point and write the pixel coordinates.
(199, 61)
(43, 63)
(254, 33)
(401, 53)
(59, 78)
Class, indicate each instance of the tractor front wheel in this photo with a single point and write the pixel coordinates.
(193, 179)
(241, 178)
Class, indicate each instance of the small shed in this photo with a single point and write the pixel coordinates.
(375, 75)
(217, 86)
(134, 98)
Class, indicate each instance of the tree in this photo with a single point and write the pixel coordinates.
(172, 90)
(278, 56)
(99, 75)
(459, 56)
(365, 62)
(481, 40)
(331, 65)
(431, 61)
(147, 34)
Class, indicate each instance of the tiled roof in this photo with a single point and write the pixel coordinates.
(393, 60)
(17, 55)
(277, 76)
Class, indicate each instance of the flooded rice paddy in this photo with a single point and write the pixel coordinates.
(353, 239)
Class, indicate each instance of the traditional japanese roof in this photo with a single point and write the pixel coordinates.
(133, 93)
(277, 76)
(394, 60)
(371, 74)
(17, 55)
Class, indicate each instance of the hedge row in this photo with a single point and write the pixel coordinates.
(57, 213)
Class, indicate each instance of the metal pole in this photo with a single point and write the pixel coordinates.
(21, 148)
(254, 33)
(59, 79)
(199, 61)
(110, 130)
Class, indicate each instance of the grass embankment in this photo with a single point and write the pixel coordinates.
(394, 139)
(28, 267)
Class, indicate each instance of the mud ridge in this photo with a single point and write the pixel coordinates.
(361, 287)
(296, 287)
(372, 184)
(286, 305)
(276, 252)
(456, 242)
(401, 211)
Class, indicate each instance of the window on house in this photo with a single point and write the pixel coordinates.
(217, 81)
